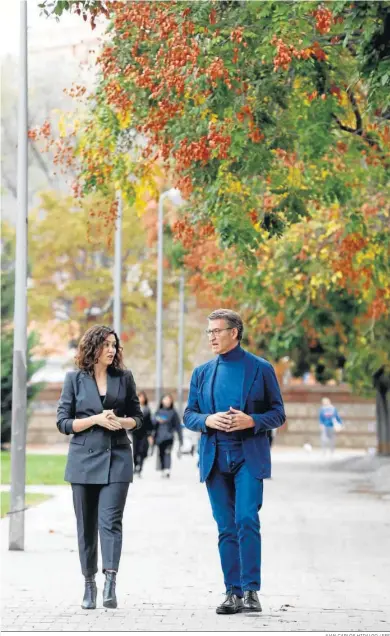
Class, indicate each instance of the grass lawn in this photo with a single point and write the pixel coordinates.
(40, 469)
(32, 499)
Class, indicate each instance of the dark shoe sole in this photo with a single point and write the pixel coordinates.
(110, 604)
(228, 611)
(88, 608)
(252, 609)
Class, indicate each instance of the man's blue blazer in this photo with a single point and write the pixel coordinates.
(260, 398)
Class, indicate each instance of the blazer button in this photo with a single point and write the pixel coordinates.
(90, 450)
(107, 450)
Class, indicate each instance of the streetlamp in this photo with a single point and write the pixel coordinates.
(175, 197)
(180, 372)
(19, 374)
(117, 304)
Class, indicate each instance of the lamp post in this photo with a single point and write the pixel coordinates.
(180, 366)
(175, 197)
(117, 309)
(19, 374)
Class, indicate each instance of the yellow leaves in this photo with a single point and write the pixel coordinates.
(198, 99)
(344, 101)
(124, 119)
(232, 185)
(62, 126)
(294, 177)
(336, 276)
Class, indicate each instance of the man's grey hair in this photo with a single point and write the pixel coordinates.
(232, 318)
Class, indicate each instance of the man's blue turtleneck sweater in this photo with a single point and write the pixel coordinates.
(228, 386)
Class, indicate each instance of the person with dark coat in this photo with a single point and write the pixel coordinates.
(98, 404)
(142, 437)
(234, 401)
(166, 422)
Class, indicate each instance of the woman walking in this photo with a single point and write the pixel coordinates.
(97, 404)
(166, 421)
(330, 423)
(142, 437)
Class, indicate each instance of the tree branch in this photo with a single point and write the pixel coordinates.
(291, 326)
(358, 130)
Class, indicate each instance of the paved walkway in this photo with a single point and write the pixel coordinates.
(326, 556)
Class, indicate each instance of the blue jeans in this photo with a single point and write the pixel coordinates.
(236, 498)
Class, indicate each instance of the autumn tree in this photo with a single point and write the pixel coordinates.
(71, 268)
(273, 119)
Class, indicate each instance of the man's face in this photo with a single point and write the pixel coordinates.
(222, 338)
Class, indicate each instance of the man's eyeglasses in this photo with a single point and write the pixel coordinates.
(216, 332)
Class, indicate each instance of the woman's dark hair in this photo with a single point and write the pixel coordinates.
(90, 348)
(172, 402)
(144, 396)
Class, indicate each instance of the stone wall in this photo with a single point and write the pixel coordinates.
(302, 404)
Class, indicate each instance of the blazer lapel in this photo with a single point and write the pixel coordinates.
(210, 406)
(113, 384)
(250, 372)
(92, 392)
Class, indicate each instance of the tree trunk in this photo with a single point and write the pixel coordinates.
(382, 385)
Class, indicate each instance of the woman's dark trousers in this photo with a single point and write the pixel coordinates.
(165, 451)
(99, 508)
(140, 452)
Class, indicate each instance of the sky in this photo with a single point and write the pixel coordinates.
(40, 28)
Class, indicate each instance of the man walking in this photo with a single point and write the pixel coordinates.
(234, 401)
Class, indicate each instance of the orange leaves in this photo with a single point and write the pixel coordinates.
(42, 131)
(200, 150)
(217, 70)
(185, 185)
(344, 262)
(254, 132)
(289, 159)
(217, 139)
(285, 53)
(192, 151)
(379, 306)
(213, 16)
(324, 20)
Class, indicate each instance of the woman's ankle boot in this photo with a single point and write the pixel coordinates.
(90, 593)
(109, 596)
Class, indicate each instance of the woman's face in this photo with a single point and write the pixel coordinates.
(108, 350)
(167, 401)
(141, 398)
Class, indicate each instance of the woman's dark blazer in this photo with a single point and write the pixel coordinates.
(97, 455)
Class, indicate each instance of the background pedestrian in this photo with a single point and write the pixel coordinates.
(142, 437)
(330, 423)
(166, 423)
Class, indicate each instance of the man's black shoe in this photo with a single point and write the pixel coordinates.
(231, 605)
(251, 602)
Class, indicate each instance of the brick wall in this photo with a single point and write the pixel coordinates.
(302, 404)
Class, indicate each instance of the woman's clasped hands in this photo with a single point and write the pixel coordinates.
(108, 420)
